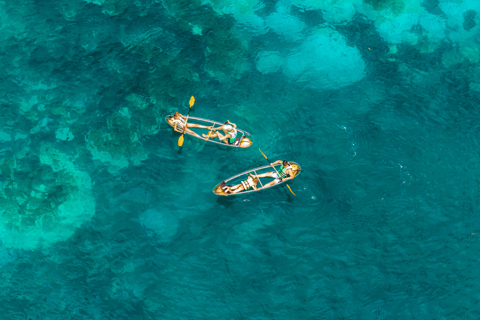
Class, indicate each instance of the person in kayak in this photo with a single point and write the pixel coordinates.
(285, 173)
(228, 128)
(251, 182)
(177, 121)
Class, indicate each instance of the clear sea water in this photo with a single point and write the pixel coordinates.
(103, 216)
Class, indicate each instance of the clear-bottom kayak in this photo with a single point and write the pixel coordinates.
(201, 126)
(269, 175)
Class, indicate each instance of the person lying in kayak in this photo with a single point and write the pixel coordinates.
(284, 173)
(177, 121)
(228, 128)
(251, 182)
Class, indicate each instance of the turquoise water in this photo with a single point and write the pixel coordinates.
(103, 216)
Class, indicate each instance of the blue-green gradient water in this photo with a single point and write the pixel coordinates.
(103, 216)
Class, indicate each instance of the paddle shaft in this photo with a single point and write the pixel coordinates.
(188, 115)
(274, 168)
(276, 171)
(270, 163)
(191, 103)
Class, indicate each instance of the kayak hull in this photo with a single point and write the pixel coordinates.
(246, 139)
(244, 175)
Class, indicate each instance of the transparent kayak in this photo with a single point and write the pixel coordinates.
(257, 171)
(244, 139)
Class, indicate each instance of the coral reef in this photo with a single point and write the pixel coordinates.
(43, 200)
(119, 143)
(334, 11)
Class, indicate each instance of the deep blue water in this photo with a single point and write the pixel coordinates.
(103, 216)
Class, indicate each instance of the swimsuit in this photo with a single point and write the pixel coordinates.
(232, 132)
(282, 174)
(177, 122)
(248, 183)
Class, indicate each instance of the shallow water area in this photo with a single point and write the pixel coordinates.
(104, 216)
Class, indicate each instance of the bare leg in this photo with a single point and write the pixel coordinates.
(192, 132)
(232, 189)
(240, 188)
(266, 175)
(210, 135)
(180, 129)
(194, 125)
(274, 182)
(222, 137)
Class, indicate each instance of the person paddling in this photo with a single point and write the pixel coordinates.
(285, 173)
(229, 129)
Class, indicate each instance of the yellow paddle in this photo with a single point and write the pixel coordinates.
(276, 171)
(180, 140)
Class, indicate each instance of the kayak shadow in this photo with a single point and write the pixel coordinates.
(225, 201)
(290, 198)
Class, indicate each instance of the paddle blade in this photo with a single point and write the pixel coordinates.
(262, 153)
(180, 140)
(291, 190)
(192, 101)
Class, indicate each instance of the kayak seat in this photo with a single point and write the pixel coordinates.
(237, 141)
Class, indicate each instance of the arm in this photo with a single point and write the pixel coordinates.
(276, 162)
(233, 124)
(174, 125)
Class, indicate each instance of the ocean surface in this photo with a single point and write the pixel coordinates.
(104, 216)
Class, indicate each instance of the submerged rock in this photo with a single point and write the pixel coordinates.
(5, 137)
(226, 55)
(334, 11)
(64, 134)
(394, 18)
(461, 19)
(164, 222)
(269, 61)
(460, 55)
(324, 60)
(112, 7)
(286, 26)
(241, 10)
